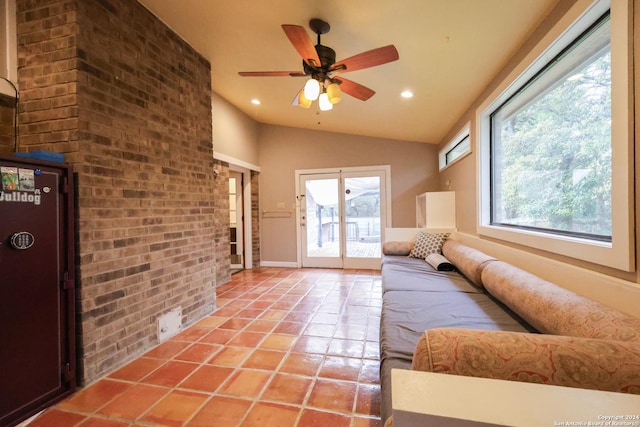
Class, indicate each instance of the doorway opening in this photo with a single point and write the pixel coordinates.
(236, 221)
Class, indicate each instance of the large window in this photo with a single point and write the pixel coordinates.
(555, 141)
(551, 144)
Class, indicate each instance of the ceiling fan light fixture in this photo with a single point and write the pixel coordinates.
(303, 102)
(334, 93)
(324, 103)
(312, 89)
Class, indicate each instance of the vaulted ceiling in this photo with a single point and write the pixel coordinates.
(449, 50)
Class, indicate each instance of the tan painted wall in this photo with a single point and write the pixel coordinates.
(283, 150)
(234, 133)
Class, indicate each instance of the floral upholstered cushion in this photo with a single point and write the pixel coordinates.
(552, 309)
(467, 260)
(545, 359)
(428, 243)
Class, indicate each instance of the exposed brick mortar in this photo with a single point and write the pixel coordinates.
(128, 103)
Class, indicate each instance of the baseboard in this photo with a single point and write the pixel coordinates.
(283, 264)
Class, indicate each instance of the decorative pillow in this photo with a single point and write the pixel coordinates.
(396, 248)
(428, 243)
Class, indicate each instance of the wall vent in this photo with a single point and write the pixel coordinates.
(169, 324)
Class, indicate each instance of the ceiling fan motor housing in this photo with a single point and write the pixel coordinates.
(327, 58)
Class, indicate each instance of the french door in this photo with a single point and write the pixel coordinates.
(342, 215)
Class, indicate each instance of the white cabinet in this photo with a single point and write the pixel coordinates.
(436, 210)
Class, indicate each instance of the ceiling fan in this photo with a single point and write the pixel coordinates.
(319, 64)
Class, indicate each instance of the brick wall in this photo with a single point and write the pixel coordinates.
(129, 103)
(222, 238)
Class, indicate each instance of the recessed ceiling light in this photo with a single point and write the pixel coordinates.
(406, 94)
(255, 101)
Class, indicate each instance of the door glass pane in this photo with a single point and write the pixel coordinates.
(322, 218)
(362, 212)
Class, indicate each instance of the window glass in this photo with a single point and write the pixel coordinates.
(551, 144)
(458, 150)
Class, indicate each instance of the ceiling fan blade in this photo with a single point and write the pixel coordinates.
(271, 73)
(300, 39)
(355, 89)
(370, 58)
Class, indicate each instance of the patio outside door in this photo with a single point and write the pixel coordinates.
(341, 219)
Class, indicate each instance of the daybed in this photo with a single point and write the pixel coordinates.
(491, 319)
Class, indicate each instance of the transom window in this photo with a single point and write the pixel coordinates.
(456, 149)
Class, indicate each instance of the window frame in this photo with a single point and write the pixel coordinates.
(619, 252)
(8, 65)
(460, 137)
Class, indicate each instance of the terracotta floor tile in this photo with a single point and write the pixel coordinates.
(371, 350)
(95, 396)
(341, 368)
(260, 305)
(333, 395)
(370, 372)
(103, 422)
(314, 418)
(268, 297)
(170, 374)
(303, 316)
(346, 348)
(137, 369)
(326, 318)
(191, 334)
(283, 305)
(285, 345)
(351, 332)
(221, 411)
(287, 388)
(247, 339)
(57, 418)
(246, 383)
(134, 402)
(207, 378)
(250, 313)
(167, 350)
(227, 311)
(302, 364)
(278, 341)
(230, 356)
(176, 408)
(264, 359)
(271, 414)
(273, 315)
(318, 345)
(211, 322)
(368, 399)
(290, 328)
(235, 323)
(198, 352)
(366, 422)
(218, 336)
(261, 325)
(319, 330)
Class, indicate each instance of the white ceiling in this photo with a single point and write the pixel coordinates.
(449, 50)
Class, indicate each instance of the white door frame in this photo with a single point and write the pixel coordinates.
(385, 169)
(247, 248)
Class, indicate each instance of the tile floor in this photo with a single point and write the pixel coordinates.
(287, 347)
